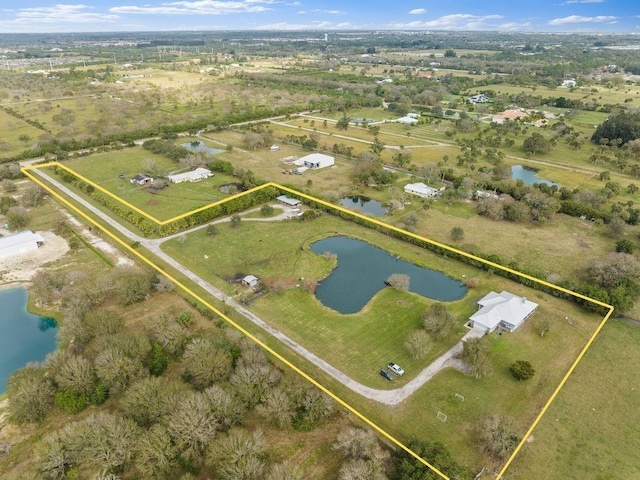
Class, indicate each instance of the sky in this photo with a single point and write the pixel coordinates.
(41, 16)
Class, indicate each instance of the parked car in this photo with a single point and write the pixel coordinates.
(386, 374)
(395, 369)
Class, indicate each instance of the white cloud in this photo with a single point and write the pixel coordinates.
(580, 19)
(569, 2)
(457, 21)
(418, 11)
(61, 12)
(58, 18)
(330, 12)
(198, 7)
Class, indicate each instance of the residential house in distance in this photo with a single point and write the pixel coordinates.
(422, 190)
(193, 176)
(317, 160)
(511, 114)
(504, 310)
(274, 148)
(142, 179)
(20, 243)
(480, 98)
(568, 83)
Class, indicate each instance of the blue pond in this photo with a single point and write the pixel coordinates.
(528, 176)
(24, 337)
(363, 204)
(201, 147)
(362, 270)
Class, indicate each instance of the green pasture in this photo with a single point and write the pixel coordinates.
(564, 245)
(104, 169)
(76, 116)
(590, 431)
(11, 128)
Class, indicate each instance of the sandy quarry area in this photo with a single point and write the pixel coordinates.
(22, 268)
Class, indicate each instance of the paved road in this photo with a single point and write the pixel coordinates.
(388, 397)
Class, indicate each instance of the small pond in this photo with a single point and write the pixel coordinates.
(359, 120)
(362, 270)
(24, 337)
(201, 147)
(528, 175)
(363, 204)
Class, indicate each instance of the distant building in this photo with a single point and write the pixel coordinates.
(317, 160)
(274, 148)
(193, 176)
(422, 190)
(509, 114)
(407, 120)
(503, 309)
(288, 201)
(568, 83)
(20, 243)
(480, 98)
(142, 179)
(250, 281)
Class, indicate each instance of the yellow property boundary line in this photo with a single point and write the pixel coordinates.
(26, 171)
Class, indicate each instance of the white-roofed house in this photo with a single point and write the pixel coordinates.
(422, 190)
(192, 176)
(20, 243)
(503, 309)
(317, 160)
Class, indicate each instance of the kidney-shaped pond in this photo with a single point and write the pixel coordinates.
(362, 270)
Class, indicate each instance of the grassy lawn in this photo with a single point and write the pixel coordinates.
(590, 431)
(104, 169)
(497, 394)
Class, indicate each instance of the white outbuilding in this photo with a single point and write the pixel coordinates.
(317, 160)
(20, 243)
(193, 176)
(422, 190)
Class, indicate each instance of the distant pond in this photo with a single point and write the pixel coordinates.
(362, 270)
(201, 147)
(24, 337)
(528, 176)
(363, 204)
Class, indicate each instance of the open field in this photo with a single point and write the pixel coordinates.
(590, 431)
